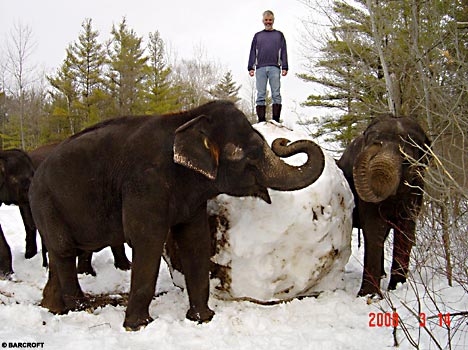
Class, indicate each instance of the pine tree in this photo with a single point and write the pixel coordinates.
(161, 96)
(350, 72)
(127, 70)
(88, 60)
(226, 89)
(372, 63)
(80, 81)
(65, 98)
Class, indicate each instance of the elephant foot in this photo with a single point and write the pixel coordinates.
(200, 317)
(86, 271)
(123, 264)
(31, 251)
(85, 267)
(62, 306)
(53, 304)
(6, 268)
(6, 273)
(394, 280)
(369, 289)
(134, 326)
(52, 295)
(120, 258)
(76, 303)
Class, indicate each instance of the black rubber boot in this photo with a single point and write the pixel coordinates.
(276, 112)
(261, 111)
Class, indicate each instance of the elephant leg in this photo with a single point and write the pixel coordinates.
(145, 269)
(375, 231)
(30, 227)
(193, 240)
(6, 267)
(146, 234)
(84, 263)
(120, 259)
(45, 261)
(72, 294)
(404, 239)
(62, 291)
(52, 294)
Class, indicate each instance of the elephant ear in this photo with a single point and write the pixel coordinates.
(194, 148)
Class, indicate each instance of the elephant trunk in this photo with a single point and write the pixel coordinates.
(278, 175)
(377, 173)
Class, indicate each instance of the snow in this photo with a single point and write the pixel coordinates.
(296, 246)
(336, 319)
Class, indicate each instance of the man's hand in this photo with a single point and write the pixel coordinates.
(251, 73)
(284, 72)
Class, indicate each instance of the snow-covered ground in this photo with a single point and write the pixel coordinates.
(334, 320)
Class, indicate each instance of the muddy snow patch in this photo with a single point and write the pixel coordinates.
(297, 246)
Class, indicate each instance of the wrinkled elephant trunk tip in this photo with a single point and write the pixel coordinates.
(377, 174)
(284, 177)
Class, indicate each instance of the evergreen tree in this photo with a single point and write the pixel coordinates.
(87, 58)
(79, 81)
(383, 56)
(349, 70)
(64, 118)
(161, 96)
(226, 89)
(127, 70)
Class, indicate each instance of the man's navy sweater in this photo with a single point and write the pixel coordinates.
(268, 49)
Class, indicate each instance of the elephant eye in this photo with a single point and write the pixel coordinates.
(14, 180)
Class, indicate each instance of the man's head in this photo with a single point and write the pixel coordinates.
(268, 19)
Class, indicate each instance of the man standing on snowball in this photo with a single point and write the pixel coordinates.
(269, 57)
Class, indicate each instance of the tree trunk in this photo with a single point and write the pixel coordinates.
(417, 53)
(446, 240)
(378, 44)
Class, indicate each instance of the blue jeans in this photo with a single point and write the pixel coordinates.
(271, 74)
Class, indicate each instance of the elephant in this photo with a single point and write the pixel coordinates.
(121, 262)
(39, 154)
(388, 193)
(134, 179)
(16, 173)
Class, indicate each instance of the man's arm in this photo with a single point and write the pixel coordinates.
(284, 55)
(253, 54)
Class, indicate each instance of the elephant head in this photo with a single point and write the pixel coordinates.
(238, 160)
(381, 169)
(16, 173)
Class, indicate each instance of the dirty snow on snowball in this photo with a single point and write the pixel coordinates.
(296, 246)
(334, 320)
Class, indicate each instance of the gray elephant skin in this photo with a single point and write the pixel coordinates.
(134, 179)
(16, 173)
(121, 262)
(388, 192)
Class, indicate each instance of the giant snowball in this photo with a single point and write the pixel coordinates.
(296, 246)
